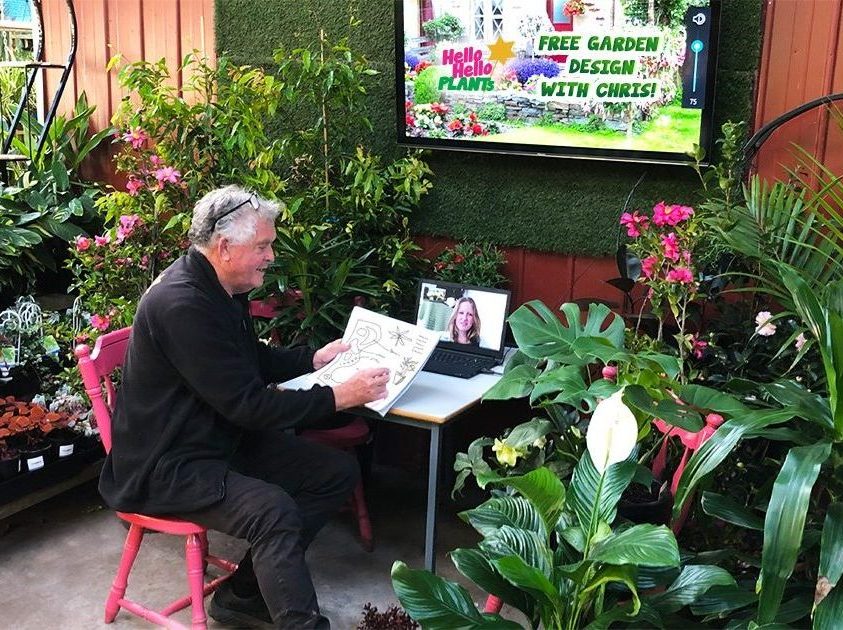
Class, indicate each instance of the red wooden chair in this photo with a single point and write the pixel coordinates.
(96, 368)
(345, 438)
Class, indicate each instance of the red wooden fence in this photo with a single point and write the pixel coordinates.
(802, 58)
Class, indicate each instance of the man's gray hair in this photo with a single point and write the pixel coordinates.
(238, 226)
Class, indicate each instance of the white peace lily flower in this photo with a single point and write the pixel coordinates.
(612, 432)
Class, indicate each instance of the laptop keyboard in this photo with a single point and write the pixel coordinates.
(457, 364)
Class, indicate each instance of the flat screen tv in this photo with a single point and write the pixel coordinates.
(599, 79)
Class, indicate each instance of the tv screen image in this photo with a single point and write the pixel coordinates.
(595, 79)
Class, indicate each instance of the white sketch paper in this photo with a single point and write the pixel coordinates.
(380, 341)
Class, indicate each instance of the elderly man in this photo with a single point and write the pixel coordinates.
(198, 434)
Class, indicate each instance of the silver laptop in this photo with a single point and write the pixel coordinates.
(471, 322)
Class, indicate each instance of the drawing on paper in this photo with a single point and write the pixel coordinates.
(380, 341)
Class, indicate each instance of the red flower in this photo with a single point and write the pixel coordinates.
(409, 120)
(455, 125)
(477, 129)
(458, 259)
(439, 266)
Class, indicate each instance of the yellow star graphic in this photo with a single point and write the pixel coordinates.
(501, 50)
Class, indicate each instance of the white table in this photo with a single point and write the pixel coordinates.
(431, 402)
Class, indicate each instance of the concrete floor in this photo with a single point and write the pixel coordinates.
(57, 559)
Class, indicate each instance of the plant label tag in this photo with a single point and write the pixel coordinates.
(65, 450)
(51, 346)
(35, 463)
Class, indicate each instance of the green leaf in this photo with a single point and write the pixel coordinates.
(438, 604)
(712, 400)
(527, 545)
(785, 522)
(828, 614)
(477, 568)
(530, 579)
(594, 497)
(60, 174)
(831, 548)
(646, 545)
(727, 509)
(527, 433)
(670, 411)
(540, 334)
(543, 490)
(647, 617)
(718, 446)
(517, 512)
(693, 582)
(720, 600)
(618, 574)
(516, 383)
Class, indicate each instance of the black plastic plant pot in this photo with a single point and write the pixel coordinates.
(653, 507)
(63, 443)
(36, 456)
(9, 465)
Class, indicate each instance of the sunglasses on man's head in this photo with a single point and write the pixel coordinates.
(252, 201)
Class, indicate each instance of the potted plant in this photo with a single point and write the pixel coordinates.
(9, 461)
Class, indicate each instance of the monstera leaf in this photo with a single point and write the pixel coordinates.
(541, 334)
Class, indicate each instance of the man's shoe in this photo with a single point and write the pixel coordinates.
(235, 611)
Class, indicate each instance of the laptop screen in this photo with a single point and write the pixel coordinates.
(470, 319)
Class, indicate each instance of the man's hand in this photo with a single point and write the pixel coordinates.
(365, 386)
(326, 354)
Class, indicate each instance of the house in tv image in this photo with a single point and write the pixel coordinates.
(552, 73)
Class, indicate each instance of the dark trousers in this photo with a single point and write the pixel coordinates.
(279, 493)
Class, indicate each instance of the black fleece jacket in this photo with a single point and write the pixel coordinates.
(194, 379)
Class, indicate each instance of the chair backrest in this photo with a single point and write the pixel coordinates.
(96, 368)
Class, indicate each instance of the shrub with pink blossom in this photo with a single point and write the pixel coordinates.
(665, 242)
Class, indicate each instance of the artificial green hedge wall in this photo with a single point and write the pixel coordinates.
(560, 205)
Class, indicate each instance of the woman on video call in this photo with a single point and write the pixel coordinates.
(464, 325)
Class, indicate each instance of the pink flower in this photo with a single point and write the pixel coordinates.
(439, 108)
(681, 275)
(635, 223)
(167, 174)
(128, 223)
(409, 120)
(801, 340)
(648, 266)
(763, 326)
(698, 346)
(82, 243)
(100, 322)
(136, 136)
(100, 241)
(144, 262)
(134, 185)
(455, 125)
(671, 215)
(670, 246)
(609, 372)
(155, 160)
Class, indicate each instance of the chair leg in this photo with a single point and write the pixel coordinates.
(203, 541)
(196, 579)
(493, 604)
(358, 503)
(121, 580)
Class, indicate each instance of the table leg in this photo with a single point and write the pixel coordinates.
(432, 492)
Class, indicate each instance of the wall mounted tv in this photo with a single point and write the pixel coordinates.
(600, 79)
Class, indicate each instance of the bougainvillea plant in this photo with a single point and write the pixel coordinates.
(665, 242)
